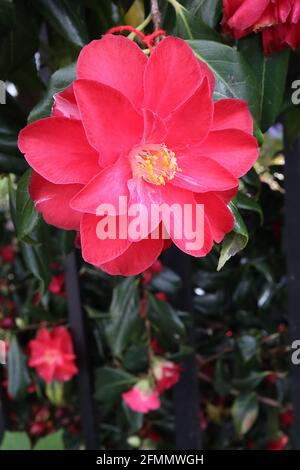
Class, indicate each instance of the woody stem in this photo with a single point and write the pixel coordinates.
(155, 13)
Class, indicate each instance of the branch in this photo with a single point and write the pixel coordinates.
(155, 13)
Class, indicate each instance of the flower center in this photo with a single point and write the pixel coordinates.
(155, 163)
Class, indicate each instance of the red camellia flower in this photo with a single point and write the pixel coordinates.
(142, 129)
(286, 418)
(142, 398)
(7, 253)
(278, 444)
(166, 374)
(52, 354)
(279, 21)
(57, 285)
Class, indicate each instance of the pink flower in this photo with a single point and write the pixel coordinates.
(57, 284)
(144, 129)
(52, 354)
(277, 444)
(166, 374)
(142, 398)
(279, 21)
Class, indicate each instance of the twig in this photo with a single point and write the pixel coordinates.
(155, 13)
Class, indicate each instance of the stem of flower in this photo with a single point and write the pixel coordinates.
(155, 13)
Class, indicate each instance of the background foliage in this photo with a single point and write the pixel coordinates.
(241, 329)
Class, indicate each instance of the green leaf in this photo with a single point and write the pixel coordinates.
(15, 441)
(66, 18)
(247, 347)
(189, 24)
(110, 383)
(221, 381)
(11, 164)
(271, 71)
(125, 316)
(234, 76)
(250, 382)
(27, 216)
(247, 203)
(60, 80)
(21, 41)
(37, 263)
(208, 10)
(165, 320)
(167, 281)
(234, 241)
(18, 378)
(53, 441)
(244, 412)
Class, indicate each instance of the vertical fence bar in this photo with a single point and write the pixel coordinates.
(78, 329)
(292, 248)
(2, 417)
(186, 392)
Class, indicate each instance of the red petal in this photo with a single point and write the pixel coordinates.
(53, 201)
(105, 188)
(201, 174)
(96, 251)
(65, 104)
(117, 62)
(172, 75)
(112, 125)
(136, 259)
(186, 221)
(232, 114)
(191, 122)
(57, 149)
(220, 217)
(233, 149)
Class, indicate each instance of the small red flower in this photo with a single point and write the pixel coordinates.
(147, 130)
(278, 444)
(286, 418)
(162, 296)
(166, 374)
(7, 253)
(279, 21)
(57, 285)
(142, 398)
(52, 354)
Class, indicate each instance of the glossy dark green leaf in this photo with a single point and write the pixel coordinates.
(18, 378)
(21, 42)
(165, 320)
(189, 24)
(244, 412)
(27, 217)
(110, 383)
(66, 17)
(11, 164)
(124, 314)
(234, 241)
(37, 262)
(209, 10)
(60, 80)
(221, 380)
(247, 203)
(167, 281)
(271, 71)
(234, 76)
(250, 382)
(247, 346)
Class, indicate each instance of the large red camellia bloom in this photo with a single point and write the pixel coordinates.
(146, 129)
(279, 21)
(51, 354)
